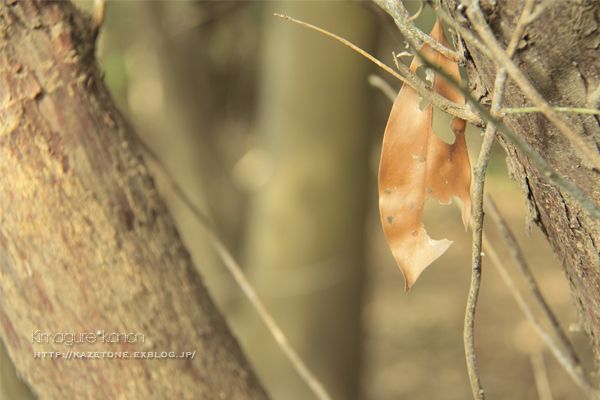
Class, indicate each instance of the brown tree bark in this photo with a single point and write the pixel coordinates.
(86, 244)
(560, 55)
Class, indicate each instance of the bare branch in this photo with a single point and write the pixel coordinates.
(480, 25)
(477, 224)
(98, 11)
(580, 380)
(416, 15)
(541, 376)
(408, 77)
(411, 33)
(307, 376)
(464, 32)
(477, 200)
(517, 255)
(523, 110)
(376, 82)
(538, 160)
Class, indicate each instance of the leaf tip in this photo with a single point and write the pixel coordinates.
(425, 253)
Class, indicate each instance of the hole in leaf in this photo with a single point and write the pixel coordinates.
(438, 218)
(441, 126)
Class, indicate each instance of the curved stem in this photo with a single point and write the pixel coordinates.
(477, 196)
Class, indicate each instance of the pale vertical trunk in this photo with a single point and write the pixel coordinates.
(305, 242)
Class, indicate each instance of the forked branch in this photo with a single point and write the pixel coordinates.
(408, 77)
(411, 33)
(307, 376)
(564, 351)
(487, 36)
(477, 200)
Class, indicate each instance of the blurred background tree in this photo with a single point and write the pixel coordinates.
(275, 133)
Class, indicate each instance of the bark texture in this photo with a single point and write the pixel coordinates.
(560, 55)
(86, 244)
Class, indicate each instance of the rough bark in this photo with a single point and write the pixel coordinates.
(560, 55)
(86, 244)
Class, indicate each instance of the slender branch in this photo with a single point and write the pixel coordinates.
(411, 33)
(408, 77)
(307, 376)
(564, 360)
(482, 28)
(538, 160)
(98, 11)
(477, 200)
(464, 32)
(570, 367)
(517, 255)
(416, 15)
(454, 109)
(376, 82)
(541, 376)
(580, 380)
(521, 110)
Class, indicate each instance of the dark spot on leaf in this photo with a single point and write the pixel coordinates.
(387, 191)
(65, 164)
(390, 219)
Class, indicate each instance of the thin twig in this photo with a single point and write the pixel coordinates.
(482, 28)
(517, 255)
(411, 19)
(307, 376)
(580, 380)
(564, 360)
(540, 376)
(411, 33)
(477, 200)
(538, 160)
(457, 110)
(477, 221)
(464, 32)
(98, 11)
(522, 110)
(377, 82)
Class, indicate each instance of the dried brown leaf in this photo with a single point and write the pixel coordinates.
(417, 165)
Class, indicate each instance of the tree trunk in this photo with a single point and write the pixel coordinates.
(86, 245)
(306, 229)
(559, 54)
